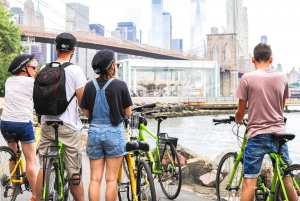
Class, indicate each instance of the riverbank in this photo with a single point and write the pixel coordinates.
(183, 110)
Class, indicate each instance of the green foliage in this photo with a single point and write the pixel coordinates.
(10, 45)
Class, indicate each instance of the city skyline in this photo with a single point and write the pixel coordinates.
(261, 21)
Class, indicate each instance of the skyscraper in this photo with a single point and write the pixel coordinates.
(237, 22)
(98, 28)
(279, 68)
(29, 14)
(214, 30)
(197, 38)
(131, 30)
(264, 39)
(167, 30)
(18, 15)
(77, 17)
(39, 18)
(157, 23)
(177, 45)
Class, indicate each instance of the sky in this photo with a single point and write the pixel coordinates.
(277, 19)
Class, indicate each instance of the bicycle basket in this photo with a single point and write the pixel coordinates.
(162, 141)
(135, 120)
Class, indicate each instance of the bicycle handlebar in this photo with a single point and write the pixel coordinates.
(140, 108)
(228, 121)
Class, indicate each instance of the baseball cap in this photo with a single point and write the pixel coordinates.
(19, 62)
(65, 41)
(102, 61)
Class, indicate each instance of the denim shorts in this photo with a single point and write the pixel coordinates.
(255, 150)
(23, 129)
(106, 141)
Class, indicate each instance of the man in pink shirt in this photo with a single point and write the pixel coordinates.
(265, 91)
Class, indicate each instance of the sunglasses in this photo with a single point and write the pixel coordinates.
(34, 67)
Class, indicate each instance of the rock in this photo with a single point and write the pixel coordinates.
(195, 168)
(208, 179)
(215, 163)
(187, 153)
(166, 160)
(266, 173)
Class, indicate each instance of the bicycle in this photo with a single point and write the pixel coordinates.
(230, 172)
(56, 182)
(138, 174)
(12, 166)
(166, 163)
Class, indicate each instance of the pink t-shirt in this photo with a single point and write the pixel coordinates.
(264, 90)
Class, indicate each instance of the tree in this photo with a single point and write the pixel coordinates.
(10, 45)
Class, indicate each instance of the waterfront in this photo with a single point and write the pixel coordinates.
(199, 134)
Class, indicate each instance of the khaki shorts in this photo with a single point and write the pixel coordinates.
(71, 140)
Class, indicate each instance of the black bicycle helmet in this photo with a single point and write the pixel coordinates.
(102, 61)
(19, 62)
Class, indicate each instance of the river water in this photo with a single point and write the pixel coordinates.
(199, 134)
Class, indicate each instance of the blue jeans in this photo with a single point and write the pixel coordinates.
(23, 129)
(255, 150)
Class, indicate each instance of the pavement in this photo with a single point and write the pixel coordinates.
(184, 195)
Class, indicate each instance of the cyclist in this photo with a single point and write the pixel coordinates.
(106, 101)
(69, 133)
(265, 91)
(17, 113)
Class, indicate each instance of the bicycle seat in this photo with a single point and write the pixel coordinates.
(11, 137)
(284, 136)
(137, 145)
(54, 121)
(162, 117)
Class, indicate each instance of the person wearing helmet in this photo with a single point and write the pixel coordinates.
(106, 101)
(69, 133)
(17, 113)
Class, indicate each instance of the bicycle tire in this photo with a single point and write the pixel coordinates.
(144, 180)
(52, 182)
(122, 195)
(7, 155)
(171, 179)
(292, 171)
(225, 168)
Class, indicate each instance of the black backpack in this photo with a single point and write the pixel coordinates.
(49, 91)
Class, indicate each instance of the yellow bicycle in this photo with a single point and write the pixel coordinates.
(135, 180)
(12, 167)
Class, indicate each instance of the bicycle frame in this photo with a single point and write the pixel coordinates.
(155, 163)
(131, 169)
(37, 135)
(20, 163)
(59, 160)
(279, 166)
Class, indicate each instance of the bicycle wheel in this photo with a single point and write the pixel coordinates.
(8, 190)
(292, 173)
(170, 180)
(225, 169)
(145, 185)
(52, 193)
(124, 188)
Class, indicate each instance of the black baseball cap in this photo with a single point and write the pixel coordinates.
(19, 62)
(102, 61)
(65, 41)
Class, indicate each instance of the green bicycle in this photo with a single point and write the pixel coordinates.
(166, 163)
(56, 183)
(230, 173)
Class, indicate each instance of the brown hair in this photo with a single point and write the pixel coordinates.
(262, 52)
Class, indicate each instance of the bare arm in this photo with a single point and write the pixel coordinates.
(79, 93)
(240, 112)
(283, 103)
(127, 111)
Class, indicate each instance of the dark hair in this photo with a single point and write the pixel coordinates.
(262, 52)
